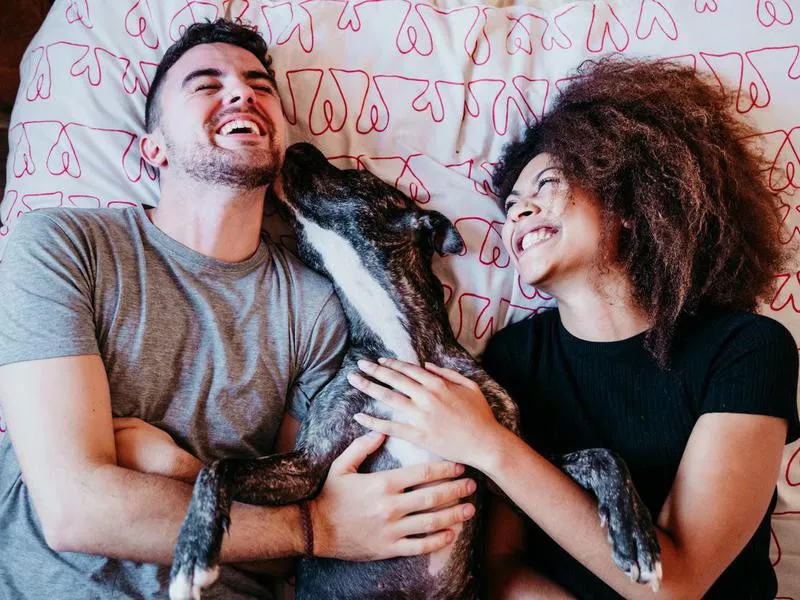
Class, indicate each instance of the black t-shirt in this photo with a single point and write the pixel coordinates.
(575, 394)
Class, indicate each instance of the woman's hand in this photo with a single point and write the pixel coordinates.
(434, 408)
(145, 448)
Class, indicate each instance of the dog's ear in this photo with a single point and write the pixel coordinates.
(443, 235)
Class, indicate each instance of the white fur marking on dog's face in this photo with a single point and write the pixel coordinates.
(376, 308)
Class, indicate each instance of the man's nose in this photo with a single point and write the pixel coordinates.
(241, 93)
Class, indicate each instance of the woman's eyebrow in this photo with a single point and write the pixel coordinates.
(542, 172)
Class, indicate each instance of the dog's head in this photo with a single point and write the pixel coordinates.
(374, 217)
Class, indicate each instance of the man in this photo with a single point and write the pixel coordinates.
(122, 330)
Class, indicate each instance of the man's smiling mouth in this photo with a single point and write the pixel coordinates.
(240, 126)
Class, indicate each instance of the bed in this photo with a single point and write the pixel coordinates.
(424, 94)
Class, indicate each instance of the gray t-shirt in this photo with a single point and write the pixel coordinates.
(211, 352)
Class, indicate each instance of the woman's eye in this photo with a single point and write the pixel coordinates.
(509, 204)
(547, 180)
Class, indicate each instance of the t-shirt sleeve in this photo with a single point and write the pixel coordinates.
(324, 351)
(756, 373)
(45, 293)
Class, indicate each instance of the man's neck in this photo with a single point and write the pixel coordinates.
(601, 311)
(219, 222)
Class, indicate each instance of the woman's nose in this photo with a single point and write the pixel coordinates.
(523, 209)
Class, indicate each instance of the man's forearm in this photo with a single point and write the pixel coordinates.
(135, 516)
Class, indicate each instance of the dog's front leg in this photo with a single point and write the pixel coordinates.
(634, 546)
(274, 480)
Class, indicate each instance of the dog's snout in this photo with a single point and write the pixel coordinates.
(304, 154)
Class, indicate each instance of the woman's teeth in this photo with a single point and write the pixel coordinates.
(538, 235)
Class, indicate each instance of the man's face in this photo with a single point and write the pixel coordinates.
(221, 120)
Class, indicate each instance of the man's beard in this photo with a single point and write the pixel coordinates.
(220, 166)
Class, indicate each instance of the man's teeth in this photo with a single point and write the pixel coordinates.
(536, 236)
(239, 124)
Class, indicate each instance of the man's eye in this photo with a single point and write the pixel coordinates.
(264, 88)
(207, 86)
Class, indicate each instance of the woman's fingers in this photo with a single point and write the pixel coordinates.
(450, 375)
(416, 373)
(391, 377)
(378, 392)
(401, 430)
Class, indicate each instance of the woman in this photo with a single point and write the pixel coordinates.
(635, 204)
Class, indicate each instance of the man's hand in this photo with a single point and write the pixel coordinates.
(371, 516)
(147, 449)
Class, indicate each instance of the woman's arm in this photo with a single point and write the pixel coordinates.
(509, 576)
(720, 494)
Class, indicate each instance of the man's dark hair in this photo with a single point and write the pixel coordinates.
(220, 31)
(663, 153)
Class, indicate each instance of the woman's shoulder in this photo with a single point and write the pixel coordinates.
(728, 329)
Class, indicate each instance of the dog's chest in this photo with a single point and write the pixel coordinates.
(375, 307)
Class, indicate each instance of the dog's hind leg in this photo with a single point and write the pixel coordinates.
(634, 546)
(274, 480)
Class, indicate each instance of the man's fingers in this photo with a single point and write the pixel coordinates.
(379, 392)
(425, 545)
(415, 475)
(435, 497)
(426, 523)
(356, 453)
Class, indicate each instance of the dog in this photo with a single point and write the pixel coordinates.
(376, 246)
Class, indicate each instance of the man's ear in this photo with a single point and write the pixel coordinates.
(444, 236)
(151, 145)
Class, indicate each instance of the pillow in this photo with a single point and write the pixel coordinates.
(424, 94)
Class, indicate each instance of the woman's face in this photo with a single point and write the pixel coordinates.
(552, 232)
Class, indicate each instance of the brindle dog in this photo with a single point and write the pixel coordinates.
(376, 246)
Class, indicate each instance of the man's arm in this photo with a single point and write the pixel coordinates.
(59, 418)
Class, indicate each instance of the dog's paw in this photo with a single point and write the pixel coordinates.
(194, 561)
(634, 545)
(188, 584)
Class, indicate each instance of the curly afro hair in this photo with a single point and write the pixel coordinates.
(660, 149)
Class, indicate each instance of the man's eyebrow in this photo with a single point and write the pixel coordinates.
(200, 73)
(256, 74)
